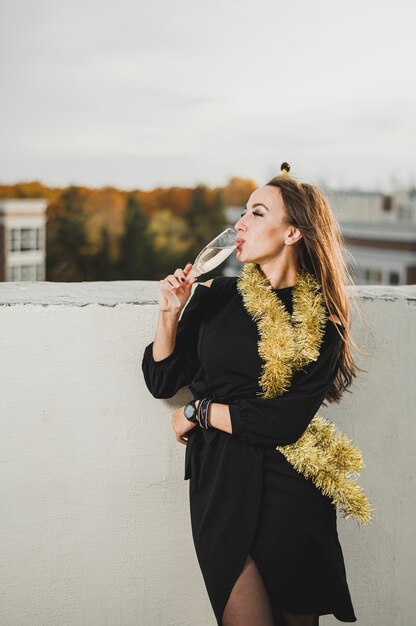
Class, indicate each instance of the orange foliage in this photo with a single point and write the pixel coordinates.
(238, 190)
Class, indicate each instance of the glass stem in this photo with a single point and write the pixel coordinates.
(194, 273)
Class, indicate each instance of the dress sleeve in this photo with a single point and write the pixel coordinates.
(283, 419)
(164, 378)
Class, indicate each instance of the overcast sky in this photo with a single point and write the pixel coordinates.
(137, 94)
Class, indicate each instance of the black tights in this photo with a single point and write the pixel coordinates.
(249, 604)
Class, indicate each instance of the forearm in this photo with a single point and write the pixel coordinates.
(219, 416)
(165, 338)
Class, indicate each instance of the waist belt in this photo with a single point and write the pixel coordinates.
(323, 454)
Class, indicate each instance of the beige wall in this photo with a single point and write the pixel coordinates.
(95, 526)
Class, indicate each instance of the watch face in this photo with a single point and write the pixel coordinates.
(189, 410)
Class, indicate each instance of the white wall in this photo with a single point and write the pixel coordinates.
(95, 526)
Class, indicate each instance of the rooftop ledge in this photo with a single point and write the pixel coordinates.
(93, 492)
(142, 292)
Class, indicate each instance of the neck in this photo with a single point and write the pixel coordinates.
(280, 277)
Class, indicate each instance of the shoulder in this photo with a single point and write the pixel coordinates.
(332, 320)
(333, 335)
(334, 330)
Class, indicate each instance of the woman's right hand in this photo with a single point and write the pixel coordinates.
(181, 286)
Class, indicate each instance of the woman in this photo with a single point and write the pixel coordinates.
(265, 536)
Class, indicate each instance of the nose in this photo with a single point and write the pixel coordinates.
(239, 224)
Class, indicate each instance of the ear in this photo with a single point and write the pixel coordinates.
(294, 235)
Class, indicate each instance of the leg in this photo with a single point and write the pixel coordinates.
(248, 604)
(300, 619)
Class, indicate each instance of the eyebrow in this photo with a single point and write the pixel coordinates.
(258, 204)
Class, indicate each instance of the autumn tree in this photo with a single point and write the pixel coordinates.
(206, 218)
(68, 255)
(137, 257)
(171, 241)
(106, 234)
(105, 269)
(238, 190)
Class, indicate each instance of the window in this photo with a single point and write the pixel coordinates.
(404, 212)
(387, 203)
(15, 273)
(28, 272)
(39, 272)
(373, 276)
(394, 278)
(38, 239)
(21, 239)
(14, 241)
(28, 239)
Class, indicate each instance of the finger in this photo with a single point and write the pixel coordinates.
(172, 281)
(179, 273)
(190, 280)
(188, 267)
(187, 285)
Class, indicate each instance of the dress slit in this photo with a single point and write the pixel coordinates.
(219, 612)
(265, 611)
(222, 557)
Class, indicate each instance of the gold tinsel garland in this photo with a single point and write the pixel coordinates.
(288, 343)
(283, 347)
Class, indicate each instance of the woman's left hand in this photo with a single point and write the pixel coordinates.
(181, 425)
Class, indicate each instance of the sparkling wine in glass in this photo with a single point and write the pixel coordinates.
(214, 253)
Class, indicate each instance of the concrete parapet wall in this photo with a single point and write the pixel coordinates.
(95, 527)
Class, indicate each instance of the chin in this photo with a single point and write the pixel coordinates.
(242, 257)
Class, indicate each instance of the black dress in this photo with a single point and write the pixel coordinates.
(245, 498)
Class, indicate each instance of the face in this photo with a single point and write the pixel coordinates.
(262, 227)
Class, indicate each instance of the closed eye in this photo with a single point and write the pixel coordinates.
(254, 213)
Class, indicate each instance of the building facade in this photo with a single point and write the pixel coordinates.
(23, 239)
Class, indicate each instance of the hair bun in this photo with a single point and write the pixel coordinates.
(285, 167)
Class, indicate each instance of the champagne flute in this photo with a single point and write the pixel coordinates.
(214, 253)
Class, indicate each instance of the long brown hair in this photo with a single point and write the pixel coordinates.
(321, 251)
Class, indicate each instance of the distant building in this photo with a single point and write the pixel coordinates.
(384, 254)
(379, 233)
(361, 206)
(22, 239)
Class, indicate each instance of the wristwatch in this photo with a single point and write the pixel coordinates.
(190, 411)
